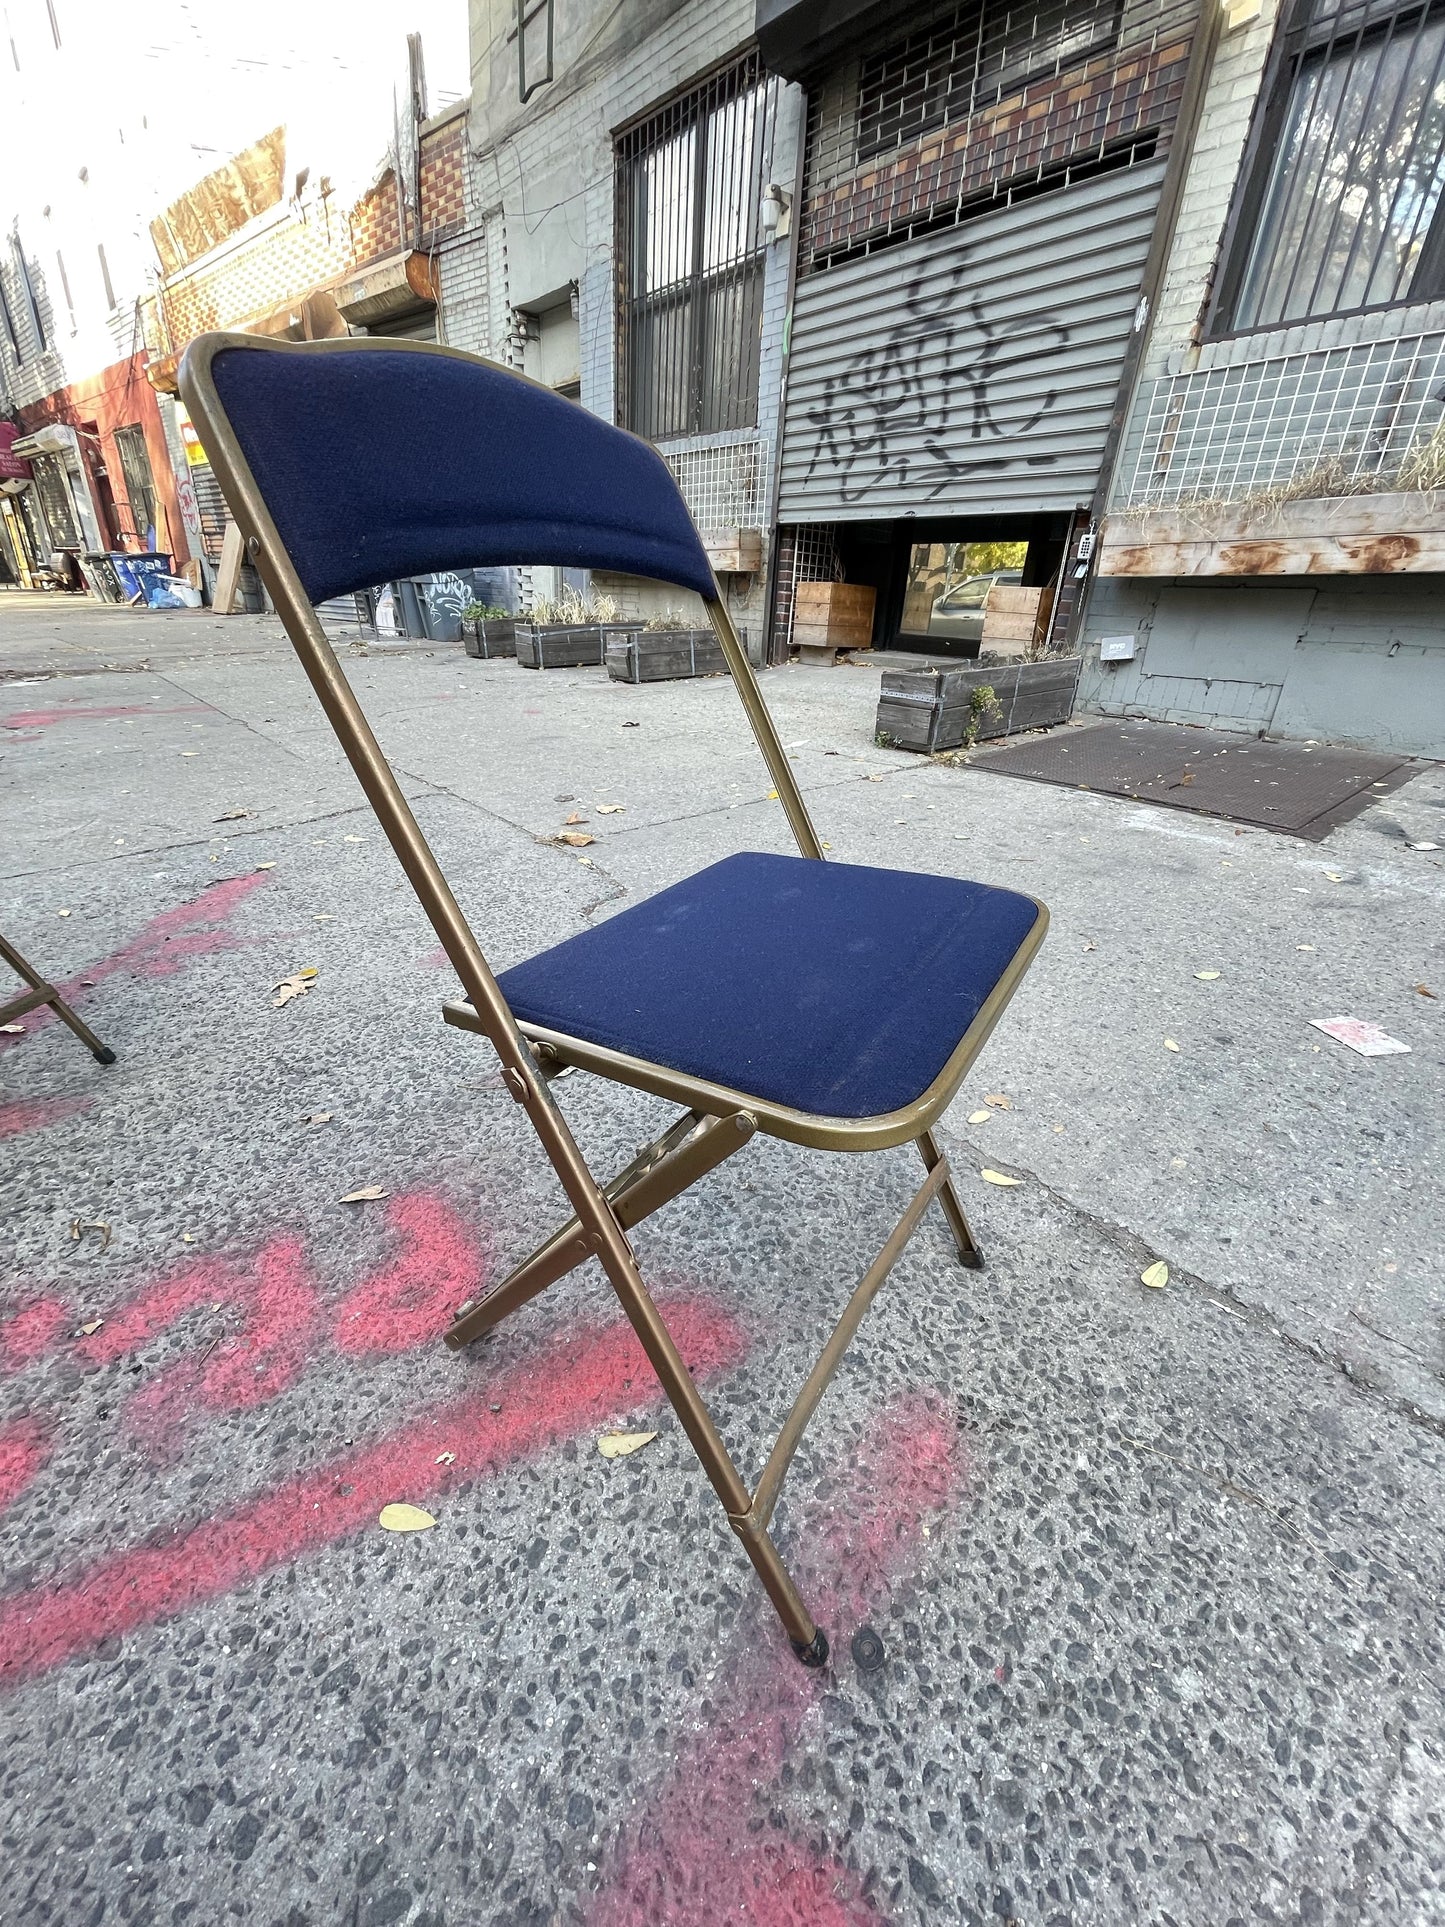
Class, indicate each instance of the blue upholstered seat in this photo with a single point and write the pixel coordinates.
(827, 987)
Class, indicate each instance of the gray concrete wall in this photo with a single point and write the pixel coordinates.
(1345, 659)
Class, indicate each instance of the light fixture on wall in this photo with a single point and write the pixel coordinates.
(777, 212)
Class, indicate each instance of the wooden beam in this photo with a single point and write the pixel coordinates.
(228, 575)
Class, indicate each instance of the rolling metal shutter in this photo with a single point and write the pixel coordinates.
(968, 371)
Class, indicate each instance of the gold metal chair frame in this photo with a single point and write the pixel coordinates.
(43, 992)
(716, 1121)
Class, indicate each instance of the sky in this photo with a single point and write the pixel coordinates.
(110, 112)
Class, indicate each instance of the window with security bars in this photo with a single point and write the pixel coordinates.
(140, 487)
(1342, 207)
(970, 57)
(690, 185)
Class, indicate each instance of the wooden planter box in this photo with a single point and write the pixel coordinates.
(664, 655)
(829, 617)
(568, 645)
(496, 636)
(933, 709)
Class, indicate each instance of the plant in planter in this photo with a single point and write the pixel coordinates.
(488, 631)
(569, 631)
(665, 649)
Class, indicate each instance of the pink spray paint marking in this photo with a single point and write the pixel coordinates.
(24, 1448)
(31, 1333)
(440, 1265)
(193, 929)
(692, 1857)
(99, 713)
(279, 1307)
(33, 1114)
(578, 1382)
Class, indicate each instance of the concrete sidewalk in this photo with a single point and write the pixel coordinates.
(1157, 1573)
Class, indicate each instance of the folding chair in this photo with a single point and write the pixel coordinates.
(825, 1004)
(42, 992)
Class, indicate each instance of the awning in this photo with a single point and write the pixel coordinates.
(394, 286)
(56, 438)
(15, 471)
(796, 36)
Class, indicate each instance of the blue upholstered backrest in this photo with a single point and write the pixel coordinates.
(377, 463)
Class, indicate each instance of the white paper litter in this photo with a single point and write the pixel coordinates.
(1366, 1038)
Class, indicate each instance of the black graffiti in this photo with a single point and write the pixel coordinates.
(925, 396)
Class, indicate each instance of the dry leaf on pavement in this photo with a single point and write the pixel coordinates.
(575, 817)
(232, 816)
(13, 1030)
(446, 1458)
(94, 1326)
(316, 1117)
(79, 1226)
(62, 913)
(364, 1194)
(621, 1445)
(265, 866)
(1423, 990)
(1206, 976)
(610, 809)
(1156, 1276)
(997, 1177)
(979, 1117)
(296, 985)
(576, 839)
(1169, 1044)
(405, 1518)
(998, 1100)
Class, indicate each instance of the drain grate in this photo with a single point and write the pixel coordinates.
(1301, 789)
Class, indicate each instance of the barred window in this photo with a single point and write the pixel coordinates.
(1342, 207)
(970, 57)
(690, 188)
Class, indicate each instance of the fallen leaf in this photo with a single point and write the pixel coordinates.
(998, 1101)
(997, 1177)
(610, 809)
(316, 1117)
(265, 866)
(1304, 946)
(94, 1326)
(1156, 1276)
(352, 839)
(62, 913)
(772, 796)
(13, 1030)
(322, 917)
(575, 839)
(404, 1518)
(232, 816)
(979, 1117)
(576, 817)
(190, 752)
(1335, 876)
(79, 1226)
(365, 1194)
(446, 1458)
(1169, 1044)
(1091, 946)
(621, 1445)
(295, 985)
(1206, 976)
(1424, 846)
(1423, 990)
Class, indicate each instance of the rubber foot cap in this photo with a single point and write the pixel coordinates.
(815, 1651)
(868, 1650)
(104, 1056)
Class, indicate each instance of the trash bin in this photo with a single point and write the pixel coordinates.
(132, 571)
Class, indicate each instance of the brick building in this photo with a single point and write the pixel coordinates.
(253, 248)
(980, 190)
(633, 250)
(1273, 556)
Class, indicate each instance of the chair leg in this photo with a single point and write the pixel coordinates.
(41, 992)
(968, 1251)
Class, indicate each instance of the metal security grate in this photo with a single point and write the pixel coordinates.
(1339, 421)
(1342, 208)
(725, 487)
(969, 57)
(690, 185)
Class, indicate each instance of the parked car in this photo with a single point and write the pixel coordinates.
(957, 615)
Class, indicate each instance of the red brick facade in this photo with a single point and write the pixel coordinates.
(1102, 103)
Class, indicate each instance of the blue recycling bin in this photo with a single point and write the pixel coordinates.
(135, 570)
